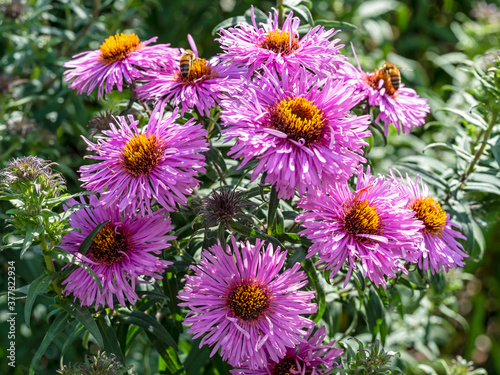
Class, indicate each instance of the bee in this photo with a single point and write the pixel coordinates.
(390, 71)
(187, 60)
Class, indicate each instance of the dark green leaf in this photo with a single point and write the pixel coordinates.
(28, 240)
(168, 354)
(55, 329)
(83, 315)
(148, 323)
(88, 240)
(35, 288)
(328, 24)
(109, 337)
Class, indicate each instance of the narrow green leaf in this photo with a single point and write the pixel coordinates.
(168, 355)
(63, 198)
(249, 232)
(88, 240)
(303, 11)
(83, 315)
(148, 323)
(108, 334)
(55, 329)
(469, 117)
(271, 213)
(66, 256)
(328, 24)
(28, 240)
(35, 288)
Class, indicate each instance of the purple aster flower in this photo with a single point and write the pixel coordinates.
(158, 162)
(242, 304)
(370, 225)
(311, 357)
(121, 252)
(298, 128)
(120, 57)
(202, 87)
(440, 248)
(254, 47)
(400, 106)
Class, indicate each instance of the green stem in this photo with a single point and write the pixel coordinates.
(50, 265)
(477, 156)
(281, 12)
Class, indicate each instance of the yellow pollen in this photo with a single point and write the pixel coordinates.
(279, 42)
(248, 300)
(116, 48)
(109, 245)
(430, 212)
(199, 71)
(298, 118)
(141, 154)
(361, 218)
(285, 366)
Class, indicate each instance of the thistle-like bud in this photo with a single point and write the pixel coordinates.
(101, 364)
(373, 360)
(30, 174)
(223, 206)
(101, 121)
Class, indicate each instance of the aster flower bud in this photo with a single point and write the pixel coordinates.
(101, 364)
(223, 206)
(374, 360)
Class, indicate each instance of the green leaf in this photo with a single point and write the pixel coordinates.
(66, 256)
(249, 232)
(108, 334)
(495, 149)
(320, 293)
(28, 240)
(483, 187)
(328, 24)
(148, 323)
(83, 315)
(55, 329)
(302, 11)
(271, 213)
(168, 354)
(35, 288)
(428, 176)
(88, 240)
(471, 118)
(260, 16)
(63, 198)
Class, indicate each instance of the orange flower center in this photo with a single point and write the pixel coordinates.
(141, 154)
(284, 367)
(248, 299)
(430, 212)
(116, 48)
(361, 218)
(199, 71)
(279, 42)
(108, 246)
(298, 118)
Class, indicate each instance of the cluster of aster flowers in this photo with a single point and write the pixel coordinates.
(383, 224)
(287, 104)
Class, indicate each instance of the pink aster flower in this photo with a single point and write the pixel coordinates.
(201, 88)
(370, 225)
(399, 106)
(158, 162)
(242, 304)
(122, 56)
(298, 128)
(269, 45)
(440, 249)
(121, 252)
(311, 357)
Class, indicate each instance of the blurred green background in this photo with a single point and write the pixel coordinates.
(40, 116)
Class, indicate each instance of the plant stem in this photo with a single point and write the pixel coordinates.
(281, 12)
(50, 265)
(477, 156)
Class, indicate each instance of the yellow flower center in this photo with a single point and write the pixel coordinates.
(430, 212)
(361, 218)
(298, 118)
(279, 42)
(199, 71)
(109, 245)
(284, 367)
(248, 299)
(141, 154)
(116, 48)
